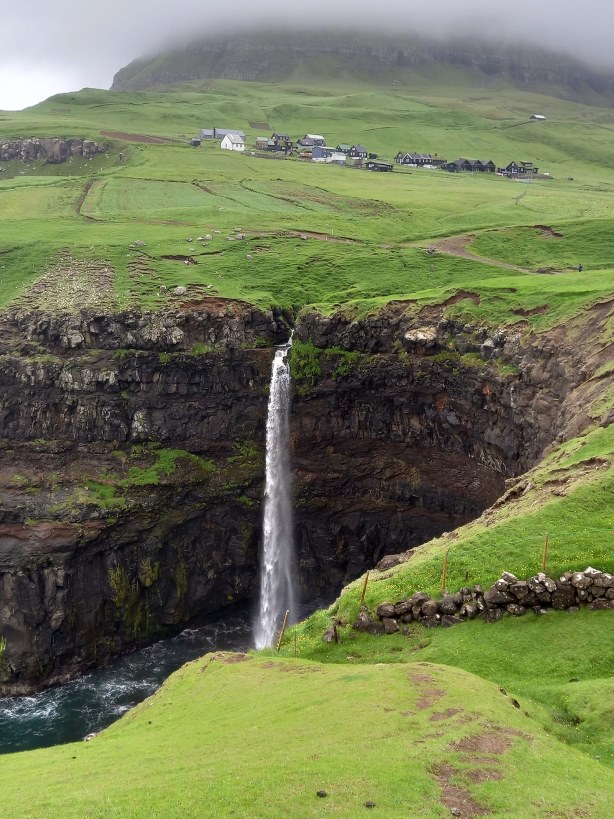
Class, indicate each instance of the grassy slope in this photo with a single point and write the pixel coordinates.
(215, 742)
(533, 657)
(152, 196)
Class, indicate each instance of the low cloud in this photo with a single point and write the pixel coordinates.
(43, 45)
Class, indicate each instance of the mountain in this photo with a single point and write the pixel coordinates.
(277, 56)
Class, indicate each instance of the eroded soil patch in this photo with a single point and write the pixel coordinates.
(457, 799)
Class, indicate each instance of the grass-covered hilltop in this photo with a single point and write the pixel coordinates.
(453, 377)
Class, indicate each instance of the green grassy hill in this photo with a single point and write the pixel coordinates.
(233, 735)
(364, 720)
(163, 194)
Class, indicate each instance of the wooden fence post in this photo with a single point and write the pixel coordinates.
(283, 629)
(364, 590)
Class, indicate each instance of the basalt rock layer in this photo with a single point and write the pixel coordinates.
(274, 56)
(133, 461)
(54, 150)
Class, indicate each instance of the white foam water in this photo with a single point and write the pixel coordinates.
(277, 554)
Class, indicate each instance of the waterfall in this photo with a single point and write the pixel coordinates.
(277, 556)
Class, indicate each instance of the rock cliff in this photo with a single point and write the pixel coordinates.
(54, 150)
(133, 458)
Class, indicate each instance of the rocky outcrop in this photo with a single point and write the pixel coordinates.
(508, 596)
(53, 150)
(133, 460)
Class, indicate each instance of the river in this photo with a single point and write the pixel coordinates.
(69, 712)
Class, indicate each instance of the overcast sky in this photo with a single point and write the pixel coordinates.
(63, 46)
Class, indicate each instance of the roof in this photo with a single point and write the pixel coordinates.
(222, 132)
(360, 148)
(343, 147)
(281, 136)
(314, 136)
(235, 139)
(206, 132)
(537, 116)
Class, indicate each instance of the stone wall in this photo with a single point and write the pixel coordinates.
(508, 595)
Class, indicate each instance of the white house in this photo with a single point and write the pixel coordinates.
(233, 142)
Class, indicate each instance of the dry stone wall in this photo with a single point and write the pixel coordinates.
(508, 595)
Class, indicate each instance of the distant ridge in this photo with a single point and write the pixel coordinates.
(279, 56)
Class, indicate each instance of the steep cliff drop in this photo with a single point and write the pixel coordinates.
(277, 558)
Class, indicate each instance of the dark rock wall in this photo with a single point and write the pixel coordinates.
(54, 150)
(390, 447)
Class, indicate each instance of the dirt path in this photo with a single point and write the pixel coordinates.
(148, 140)
(457, 246)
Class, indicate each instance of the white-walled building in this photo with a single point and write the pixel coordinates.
(233, 142)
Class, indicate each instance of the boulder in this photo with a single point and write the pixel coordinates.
(385, 610)
(450, 620)
(432, 622)
(402, 607)
(447, 605)
(580, 581)
(509, 577)
(602, 603)
(491, 615)
(469, 610)
(493, 597)
(519, 589)
(535, 585)
(516, 610)
(564, 597)
(390, 625)
(430, 608)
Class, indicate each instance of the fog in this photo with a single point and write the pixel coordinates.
(50, 47)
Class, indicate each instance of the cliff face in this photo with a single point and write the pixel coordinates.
(133, 460)
(54, 150)
(275, 56)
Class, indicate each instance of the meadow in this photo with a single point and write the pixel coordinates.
(366, 232)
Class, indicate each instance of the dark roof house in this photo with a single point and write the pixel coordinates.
(219, 133)
(475, 165)
(311, 140)
(358, 152)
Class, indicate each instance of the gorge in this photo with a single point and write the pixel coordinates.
(133, 476)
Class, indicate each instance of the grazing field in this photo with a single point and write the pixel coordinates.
(356, 223)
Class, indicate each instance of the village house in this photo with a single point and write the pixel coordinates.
(357, 152)
(219, 133)
(195, 142)
(343, 148)
(232, 142)
(321, 153)
(282, 139)
(262, 143)
(309, 140)
(473, 165)
(419, 160)
(518, 169)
